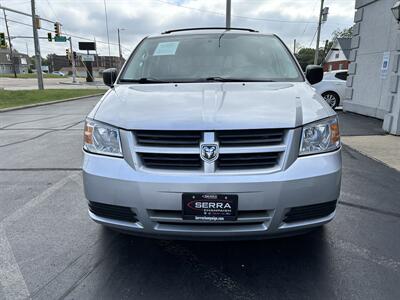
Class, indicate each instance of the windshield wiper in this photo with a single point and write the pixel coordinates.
(230, 79)
(145, 80)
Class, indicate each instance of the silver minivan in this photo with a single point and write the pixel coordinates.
(208, 133)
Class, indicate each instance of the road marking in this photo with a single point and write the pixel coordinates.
(15, 216)
(219, 279)
(11, 278)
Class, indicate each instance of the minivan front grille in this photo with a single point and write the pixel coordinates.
(256, 137)
(247, 161)
(161, 138)
(255, 150)
(171, 161)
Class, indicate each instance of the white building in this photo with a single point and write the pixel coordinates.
(374, 71)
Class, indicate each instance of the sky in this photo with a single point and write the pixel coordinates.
(85, 20)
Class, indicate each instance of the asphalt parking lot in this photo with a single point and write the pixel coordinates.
(49, 249)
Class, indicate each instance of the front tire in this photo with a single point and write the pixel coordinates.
(331, 98)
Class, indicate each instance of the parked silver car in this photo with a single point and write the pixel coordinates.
(212, 134)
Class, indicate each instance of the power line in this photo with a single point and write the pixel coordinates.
(66, 33)
(52, 9)
(236, 16)
(22, 23)
(313, 37)
(305, 27)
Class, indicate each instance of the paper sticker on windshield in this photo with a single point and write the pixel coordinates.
(167, 48)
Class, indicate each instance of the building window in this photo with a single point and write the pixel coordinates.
(330, 67)
(340, 66)
(337, 55)
(8, 57)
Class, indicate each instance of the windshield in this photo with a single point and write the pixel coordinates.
(209, 57)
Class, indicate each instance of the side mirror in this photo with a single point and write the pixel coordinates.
(109, 76)
(314, 74)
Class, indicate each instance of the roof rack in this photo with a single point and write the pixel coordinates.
(209, 28)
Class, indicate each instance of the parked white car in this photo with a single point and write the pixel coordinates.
(332, 87)
(58, 73)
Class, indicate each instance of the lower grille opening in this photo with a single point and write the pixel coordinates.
(115, 212)
(199, 224)
(309, 212)
(175, 217)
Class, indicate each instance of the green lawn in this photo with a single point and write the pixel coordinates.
(25, 97)
(31, 75)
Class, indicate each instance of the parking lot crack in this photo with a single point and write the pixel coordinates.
(372, 209)
(30, 121)
(27, 140)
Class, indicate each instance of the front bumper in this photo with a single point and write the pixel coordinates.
(264, 200)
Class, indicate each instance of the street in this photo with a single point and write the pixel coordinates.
(50, 249)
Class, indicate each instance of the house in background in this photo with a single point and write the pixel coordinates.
(338, 56)
(21, 62)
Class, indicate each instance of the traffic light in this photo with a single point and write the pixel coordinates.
(38, 23)
(67, 53)
(2, 40)
(57, 28)
(49, 37)
(75, 56)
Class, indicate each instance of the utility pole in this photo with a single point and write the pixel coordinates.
(38, 57)
(119, 50)
(119, 47)
(10, 45)
(294, 46)
(72, 61)
(108, 36)
(318, 33)
(97, 56)
(228, 14)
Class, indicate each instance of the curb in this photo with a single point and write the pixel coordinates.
(49, 102)
(371, 157)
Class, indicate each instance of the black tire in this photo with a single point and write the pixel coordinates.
(331, 98)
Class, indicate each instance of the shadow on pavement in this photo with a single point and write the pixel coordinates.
(354, 124)
(284, 268)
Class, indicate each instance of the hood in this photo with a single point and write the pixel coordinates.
(211, 106)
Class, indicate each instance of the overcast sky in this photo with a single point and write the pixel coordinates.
(290, 19)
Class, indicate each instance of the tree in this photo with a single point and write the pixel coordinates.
(305, 56)
(342, 33)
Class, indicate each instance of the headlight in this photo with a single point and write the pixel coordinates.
(321, 136)
(103, 139)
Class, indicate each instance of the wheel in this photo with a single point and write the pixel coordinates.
(332, 98)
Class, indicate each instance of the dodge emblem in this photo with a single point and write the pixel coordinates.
(209, 152)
